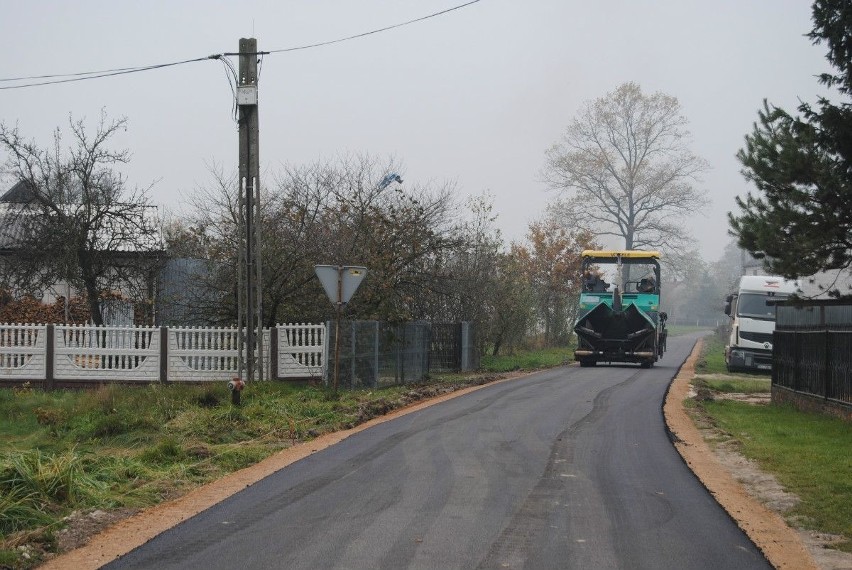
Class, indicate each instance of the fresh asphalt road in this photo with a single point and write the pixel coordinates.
(567, 468)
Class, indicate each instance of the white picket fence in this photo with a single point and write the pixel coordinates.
(87, 353)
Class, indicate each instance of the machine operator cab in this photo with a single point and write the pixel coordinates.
(619, 317)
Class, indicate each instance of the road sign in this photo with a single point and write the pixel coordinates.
(340, 281)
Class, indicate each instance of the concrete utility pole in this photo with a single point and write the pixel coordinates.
(249, 284)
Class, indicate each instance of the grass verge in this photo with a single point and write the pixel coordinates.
(677, 330)
(809, 454)
(528, 359)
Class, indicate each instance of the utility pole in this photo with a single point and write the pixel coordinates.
(249, 284)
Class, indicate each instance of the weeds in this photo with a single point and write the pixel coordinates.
(56, 478)
(20, 511)
(166, 451)
(35, 486)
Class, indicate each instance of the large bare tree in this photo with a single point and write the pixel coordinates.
(626, 170)
(76, 220)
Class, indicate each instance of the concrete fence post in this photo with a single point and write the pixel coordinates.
(376, 355)
(325, 353)
(826, 386)
(164, 355)
(50, 357)
(465, 346)
(273, 352)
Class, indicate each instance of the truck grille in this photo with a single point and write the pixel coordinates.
(756, 337)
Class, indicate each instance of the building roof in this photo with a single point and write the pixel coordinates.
(20, 193)
(115, 237)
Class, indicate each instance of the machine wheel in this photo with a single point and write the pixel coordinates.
(584, 362)
(646, 363)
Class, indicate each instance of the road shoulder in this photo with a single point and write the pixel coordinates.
(780, 544)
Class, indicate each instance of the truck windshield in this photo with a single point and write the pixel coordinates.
(754, 305)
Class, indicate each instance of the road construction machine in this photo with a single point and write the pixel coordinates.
(620, 321)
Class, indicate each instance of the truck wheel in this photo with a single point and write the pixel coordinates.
(646, 363)
(584, 362)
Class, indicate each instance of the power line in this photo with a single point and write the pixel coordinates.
(84, 75)
(64, 74)
(356, 36)
(73, 77)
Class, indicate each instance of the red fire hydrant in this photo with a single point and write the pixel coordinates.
(236, 386)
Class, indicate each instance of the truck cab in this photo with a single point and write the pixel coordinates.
(752, 312)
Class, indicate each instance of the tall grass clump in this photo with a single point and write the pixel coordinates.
(21, 511)
(53, 478)
(36, 487)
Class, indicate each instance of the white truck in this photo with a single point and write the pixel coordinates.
(749, 346)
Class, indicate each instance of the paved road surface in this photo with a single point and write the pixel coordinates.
(567, 468)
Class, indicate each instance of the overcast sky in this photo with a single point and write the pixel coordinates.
(474, 96)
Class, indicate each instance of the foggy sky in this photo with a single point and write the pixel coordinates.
(474, 96)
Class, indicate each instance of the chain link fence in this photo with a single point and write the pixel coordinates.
(374, 354)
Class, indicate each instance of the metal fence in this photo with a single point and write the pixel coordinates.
(452, 346)
(376, 354)
(812, 350)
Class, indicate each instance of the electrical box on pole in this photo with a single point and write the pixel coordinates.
(247, 95)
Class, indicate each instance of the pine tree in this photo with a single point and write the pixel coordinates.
(801, 220)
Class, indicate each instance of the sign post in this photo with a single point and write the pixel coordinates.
(340, 283)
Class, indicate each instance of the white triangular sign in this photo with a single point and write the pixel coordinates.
(340, 282)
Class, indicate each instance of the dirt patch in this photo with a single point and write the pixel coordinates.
(753, 498)
(81, 526)
(761, 399)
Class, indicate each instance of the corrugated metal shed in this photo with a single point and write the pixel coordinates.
(183, 292)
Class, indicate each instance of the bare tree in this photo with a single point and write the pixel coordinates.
(402, 232)
(624, 165)
(79, 221)
(467, 284)
(342, 213)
